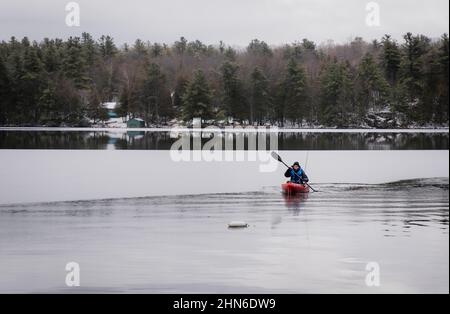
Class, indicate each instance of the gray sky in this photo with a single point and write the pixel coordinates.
(234, 21)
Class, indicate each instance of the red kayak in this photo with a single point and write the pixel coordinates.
(294, 188)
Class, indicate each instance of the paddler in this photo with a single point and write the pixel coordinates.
(297, 174)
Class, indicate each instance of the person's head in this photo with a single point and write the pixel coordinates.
(296, 166)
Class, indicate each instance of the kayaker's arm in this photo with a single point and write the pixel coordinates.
(288, 172)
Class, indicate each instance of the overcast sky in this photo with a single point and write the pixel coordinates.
(235, 22)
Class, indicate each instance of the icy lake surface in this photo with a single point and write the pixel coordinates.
(137, 219)
(322, 243)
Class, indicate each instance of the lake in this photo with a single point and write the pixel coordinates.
(140, 218)
(319, 244)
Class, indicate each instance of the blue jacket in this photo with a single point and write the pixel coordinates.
(300, 177)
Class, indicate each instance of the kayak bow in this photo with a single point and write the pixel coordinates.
(294, 188)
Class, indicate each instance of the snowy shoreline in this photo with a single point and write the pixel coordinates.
(228, 130)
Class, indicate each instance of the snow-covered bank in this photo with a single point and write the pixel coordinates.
(232, 130)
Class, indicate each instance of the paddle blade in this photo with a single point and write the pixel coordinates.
(276, 156)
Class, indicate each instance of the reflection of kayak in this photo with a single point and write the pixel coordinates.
(294, 188)
(295, 201)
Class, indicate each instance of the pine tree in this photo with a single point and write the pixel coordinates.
(196, 48)
(107, 47)
(89, 49)
(429, 100)
(337, 103)
(139, 48)
(415, 74)
(412, 65)
(372, 88)
(155, 97)
(59, 102)
(234, 101)
(299, 51)
(441, 110)
(259, 48)
(345, 106)
(329, 92)
(156, 50)
(106, 78)
(308, 44)
(181, 46)
(294, 94)
(25, 42)
(230, 54)
(5, 92)
(74, 64)
(433, 104)
(15, 114)
(32, 82)
(260, 102)
(51, 56)
(391, 59)
(197, 99)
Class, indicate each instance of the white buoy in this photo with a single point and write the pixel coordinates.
(238, 224)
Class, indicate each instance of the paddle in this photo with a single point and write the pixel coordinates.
(277, 157)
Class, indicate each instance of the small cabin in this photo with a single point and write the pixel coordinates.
(135, 123)
(111, 108)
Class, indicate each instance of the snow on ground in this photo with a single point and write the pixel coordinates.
(123, 128)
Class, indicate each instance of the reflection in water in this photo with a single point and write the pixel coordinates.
(151, 140)
(294, 202)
